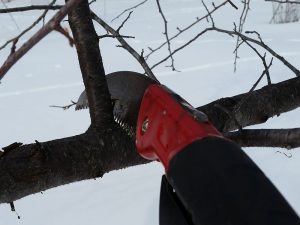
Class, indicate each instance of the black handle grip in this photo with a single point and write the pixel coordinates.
(218, 184)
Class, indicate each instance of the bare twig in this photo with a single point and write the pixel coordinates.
(113, 36)
(242, 21)
(65, 32)
(16, 39)
(263, 59)
(286, 155)
(208, 13)
(182, 30)
(30, 8)
(125, 45)
(233, 5)
(65, 107)
(232, 115)
(123, 23)
(11, 16)
(129, 9)
(261, 44)
(166, 34)
(182, 47)
(44, 31)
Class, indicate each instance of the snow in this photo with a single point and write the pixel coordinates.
(49, 75)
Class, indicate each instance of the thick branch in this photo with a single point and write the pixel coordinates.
(90, 60)
(261, 105)
(36, 167)
(282, 138)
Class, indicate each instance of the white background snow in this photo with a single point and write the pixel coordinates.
(49, 75)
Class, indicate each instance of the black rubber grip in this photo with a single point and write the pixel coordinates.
(218, 184)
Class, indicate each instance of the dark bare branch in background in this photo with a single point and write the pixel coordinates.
(240, 28)
(11, 16)
(166, 33)
(16, 39)
(125, 45)
(44, 31)
(30, 8)
(182, 47)
(182, 30)
(129, 9)
(260, 43)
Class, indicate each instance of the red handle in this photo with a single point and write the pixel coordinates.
(167, 123)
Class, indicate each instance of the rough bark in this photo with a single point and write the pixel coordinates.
(260, 105)
(284, 138)
(90, 60)
(37, 167)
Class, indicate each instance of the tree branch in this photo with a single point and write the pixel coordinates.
(30, 8)
(90, 60)
(33, 168)
(261, 105)
(125, 45)
(44, 31)
(282, 138)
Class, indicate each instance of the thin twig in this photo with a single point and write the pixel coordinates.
(208, 13)
(125, 45)
(11, 16)
(233, 5)
(263, 59)
(16, 39)
(64, 107)
(30, 8)
(166, 34)
(261, 44)
(129, 9)
(39, 35)
(182, 47)
(182, 30)
(123, 23)
(242, 21)
(232, 115)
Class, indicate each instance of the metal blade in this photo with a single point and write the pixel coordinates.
(127, 90)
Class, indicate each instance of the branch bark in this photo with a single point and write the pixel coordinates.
(37, 167)
(90, 60)
(282, 138)
(261, 105)
(30, 8)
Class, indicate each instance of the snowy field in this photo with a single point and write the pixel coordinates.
(49, 75)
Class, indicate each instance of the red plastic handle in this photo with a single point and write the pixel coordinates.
(166, 124)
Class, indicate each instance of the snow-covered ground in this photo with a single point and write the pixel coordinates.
(49, 75)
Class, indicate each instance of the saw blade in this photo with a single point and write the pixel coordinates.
(127, 90)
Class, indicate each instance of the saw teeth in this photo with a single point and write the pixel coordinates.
(128, 129)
